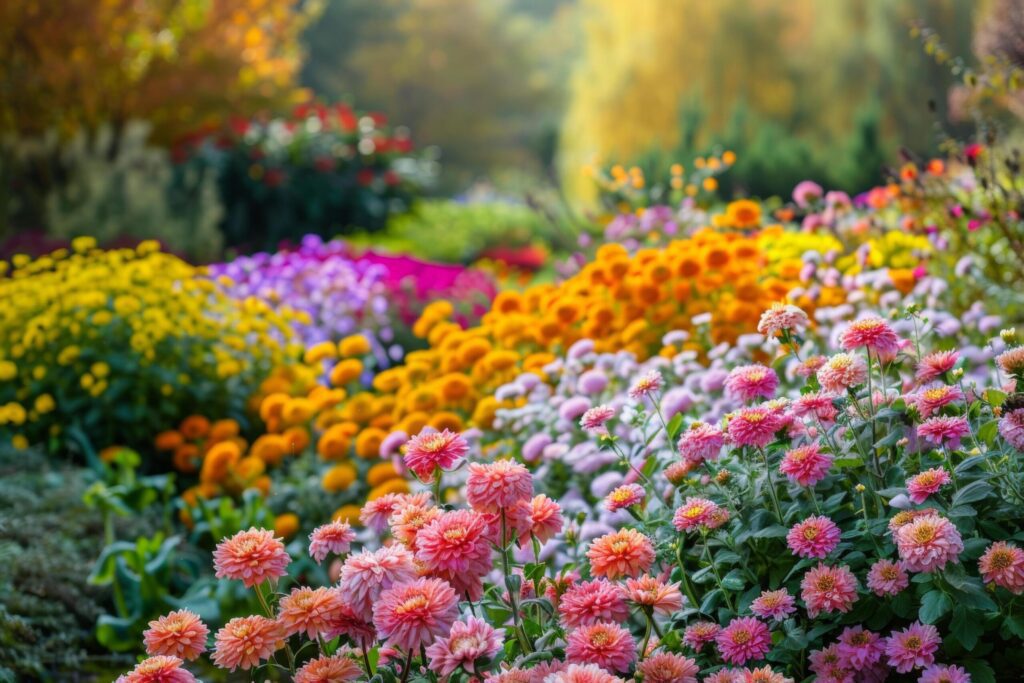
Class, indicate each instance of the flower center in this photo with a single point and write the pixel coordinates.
(1001, 560)
(913, 642)
(741, 637)
(414, 603)
(811, 533)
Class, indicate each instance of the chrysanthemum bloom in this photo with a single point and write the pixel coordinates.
(929, 401)
(580, 673)
(626, 552)
(810, 366)
(875, 334)
(500, 484)
(430, 451)
(345, 622)
(334, 537)
(595, 418)
(913, 647)
(408, 520)
(694, 512)
(859, 649)
(905, 517)
(928, 543)
(944, 430)
(782, 317)
(748, 382)
(774, 605)
(926, 483)
(467, 642)
(624, 496)
(816, 536)
(590, 602)
(935, 365)
(816, 403)
(376, 513)
(666, 667)
(324, 669)
(828, 589)
(805, 465)
(648, 591)
(308, 610)
(365, 575)
(455, 543)
(1003, 564)
(605, 644)
(677, 472)
(545, 518)
(1011, 428)
(700, 634)
(1011, 362)
(764, 674)
(841, 372)
(178, 634)
(159, 669)
(725, 676)
(646, 385)
(414, 614)
(941, 673)
(887, 578)
(754, 426)
(825, 663)
(744, 639)
(700, 442)
(251, 556)
(246, 641)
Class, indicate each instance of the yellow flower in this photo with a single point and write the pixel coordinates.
(389, 486)
(346, 372)
(286, 525)
(380, 473)
(44, 403)
(347, 513)
(8, 370)
(338, 478)
(354, 345)
(320, 352)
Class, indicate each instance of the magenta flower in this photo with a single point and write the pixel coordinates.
(913, 647)
(828, 589)
(805, 465)
(816, 536)
(874, 334)
(774, 605)
(595, 418)
(748, 382)
(859, 648)
(428, 452)
(940, 673)
(754, 426)
(927, 483)
(1011, 428)
(700, 442)
(887, 578)
(744, 639)
(944, 431)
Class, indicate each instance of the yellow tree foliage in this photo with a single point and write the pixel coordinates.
(179, 64)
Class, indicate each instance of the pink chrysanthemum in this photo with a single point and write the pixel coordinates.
(697, 635)
(365, 575)
(178, 634)
(545, 518)
(825, 663)
(929, 401)
(816, 403)
(941, 673)
(1003, 564)
(646, 385)
(754, 426)
(944, 430)
(928, 543)
(1011, 428)
(805, 465)
(414, 614)
(624, 496)
(764, 674)
(816, 536)
(376, 513)
(810, 366)
(455, 543)
(774, 605)
(500, 484)
(334, 537)
(935, 365)
(408, 520)
(677, 472)
(605, 644)
(913, 647)
(246, 641)
(860, 649)
(747, 382)
(887, 578)
(251, 557)
(308, 610)
(648, 591)
(875, 334)
(1011, 361)
(693, 513)
(841, 372)
(905, 517)
(595, 418)
(579, 673)
(158, 669)
(926, 483)
(590, 602)
(782, 317)
(700, 442)
(666, 667)
(626, 552)
(428, 452)
(346, 622)
(725, 676)
(324, 669)
(744, 639)
(467, 642)
(828, 589)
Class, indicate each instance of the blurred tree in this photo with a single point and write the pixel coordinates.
(179, 64)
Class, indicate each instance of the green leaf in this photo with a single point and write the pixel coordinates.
(980, 671)
(934, 605)
(965, 627)
(995, 397)
(1015, 624)
(973, 492)
(774, 531)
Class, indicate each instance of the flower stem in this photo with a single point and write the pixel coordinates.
(771, 485)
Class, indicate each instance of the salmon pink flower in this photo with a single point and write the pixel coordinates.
(930, 401)
(1011, 361)
(308, 610)
(748, 382)
(700, 442)
(577, 673)
(605, 644)
(874, 334)
(501, 484)
(775, 605)
(408, 520)
(1003, 564)
(595, 418)
(887, 578)
(935, 365)
(178, 634)
(744, 639)
(828, 589)
(842, 372)
(623, 497)
(251, 557)
(660, 597)
(376, 513)
(626, 552)
(913, 647)
(646, 385)
(467, 642)
(365, 575)
(699, 634)
(589, 602)
(805, 465)
(816, 536)
(666, 667)
(428, 452)
(455, 543)
(923, 485)
(1011, 428)
(782, 317)
(334, 537)
(944, 430)
(413, 614)
(158, 669)
(545, 519)
(928, 543)
(693, 513)
(246, 641)
(816, 403)
(754, 426)
(325, 669)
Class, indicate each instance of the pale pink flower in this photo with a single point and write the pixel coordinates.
(1003, 564)
(1011, 428)
(158, 669)
(646, 385)
(754, 426)
(944, 430)
(693, 513)
(430, 451)
(929, 401)
(935, 365)
(941, 673)
(887, 578)
(408, 520)
(697, 635)
(875, 334)
(928, 543)
(828, 589)
(365, 575)
(309, 610)
(324, 669)
(923, 485)
(725, 676)
(744, 639)
(748, 382)
(467, 642)
(700, 442)
(1011, 361)
(841, 372)
(624, 496)
(625, 552)
(413, 614)
(666, 667)
(334, 537)
(455, 543)
(589, 602)
(774, 605)
(782, 317)
(816, 536)
(579, 673)
(595, 418)
(545, 519)
(905, 517)
(816, 403)
(647, 591)
(805, 465)
(246, 641)
(860, 649)
(806, 192)
(346, 622)
(251, 557)
(913, 647)
(178, 634)
(500, 484)
(376, 513)
(764, 674)
(810, 366)
(605, 644)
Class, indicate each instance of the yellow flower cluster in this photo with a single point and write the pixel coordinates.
(115, 341)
